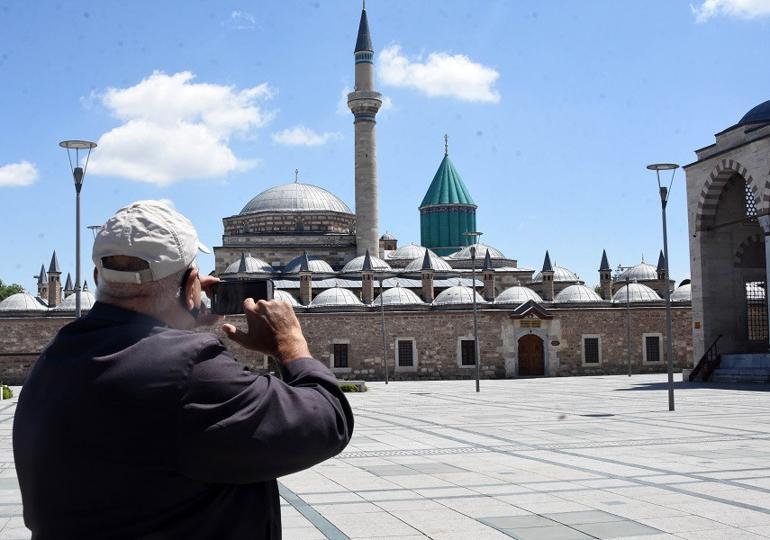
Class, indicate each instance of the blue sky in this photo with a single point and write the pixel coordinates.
(552, 110)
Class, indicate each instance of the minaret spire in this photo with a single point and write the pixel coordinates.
(364, 102)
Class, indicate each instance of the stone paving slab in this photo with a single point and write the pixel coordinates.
(535, 459)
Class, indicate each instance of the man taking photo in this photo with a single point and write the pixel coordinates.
(132, 425)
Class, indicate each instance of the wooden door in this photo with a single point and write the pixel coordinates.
(531, 357)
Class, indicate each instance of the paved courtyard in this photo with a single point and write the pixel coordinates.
(546, 459)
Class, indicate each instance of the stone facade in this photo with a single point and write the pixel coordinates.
(436, 335)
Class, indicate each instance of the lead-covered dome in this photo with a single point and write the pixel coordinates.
(636, 292)
(295, 197)
(336, 296)
(758, 115)
(22, 301)
(249, 265)
(357, 264)
(560, 274)
(315, 265)
(517, 295)
(410, 251)
(437, 263)
(641, 272)
(683, 293)
(577, 294)
(459, 294)
(87, 301)
(481, 252)
(398, 296)
(284, 296)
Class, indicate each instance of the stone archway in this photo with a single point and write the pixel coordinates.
(708, 201)
(531, 356)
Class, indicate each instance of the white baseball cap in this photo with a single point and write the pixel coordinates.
(151, 231)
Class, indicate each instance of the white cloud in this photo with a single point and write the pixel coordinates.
(175, 129)
(242, 20)
(746, 9)
(23, 173)
(441, 74)
(303, 136)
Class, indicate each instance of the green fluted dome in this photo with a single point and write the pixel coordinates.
(447, 187)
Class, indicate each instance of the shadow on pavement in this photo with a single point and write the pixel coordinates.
(679, 385)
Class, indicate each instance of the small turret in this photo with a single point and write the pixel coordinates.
(305, 281)
(605, 277)
(488, 276)
(54, 282)
(547, 273)
(42, 284)
(426, 275)
(367, 276)
(661, 269)
(68, 288)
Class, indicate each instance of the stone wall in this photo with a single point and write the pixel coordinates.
(290, 222)
(435, 334)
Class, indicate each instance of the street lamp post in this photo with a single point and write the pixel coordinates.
(78, 174)
(474, 235)
(382, 325)
(664, 194)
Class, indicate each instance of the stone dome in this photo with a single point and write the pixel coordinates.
(398, 296)
(87, 300)
(22, 301)
(387, 236)
(683, 293)
(336, 296)
(357, 264)
(560, 274)
(636, 292)
(283, 296)
(315, 265)
(481, 252)
(577, 294)
(439, 264)
(641, 272)
(459, 294)
(409, 251)
(758, 115)
(252, 264)
(517, 295)
(295, 197)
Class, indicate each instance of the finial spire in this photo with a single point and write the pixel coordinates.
(446, 144)
(364, 8)
(296, 176)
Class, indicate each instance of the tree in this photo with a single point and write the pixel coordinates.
(8, 290)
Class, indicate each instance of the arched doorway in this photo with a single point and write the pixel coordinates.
(531, 356)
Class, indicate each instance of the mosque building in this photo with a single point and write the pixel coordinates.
(367, 304)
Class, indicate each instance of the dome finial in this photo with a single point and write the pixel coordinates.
(446, 144)
(296, 176)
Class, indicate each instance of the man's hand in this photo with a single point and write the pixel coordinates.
(273, 329)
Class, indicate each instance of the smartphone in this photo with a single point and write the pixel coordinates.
(227, 296)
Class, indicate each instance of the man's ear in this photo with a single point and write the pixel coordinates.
(189, 289)
(96, 277)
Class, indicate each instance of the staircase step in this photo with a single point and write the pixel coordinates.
(738, 361)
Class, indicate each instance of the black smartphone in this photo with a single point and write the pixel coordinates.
(227, 296)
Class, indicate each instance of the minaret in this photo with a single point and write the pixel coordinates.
(364, 102)
(605, 277)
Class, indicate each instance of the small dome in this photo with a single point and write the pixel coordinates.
(636, 292)
(410, 251)
(459, 294)
(398, 296)
(253, 266)
(560, 274)
(439, 264)
(336, 296)
(283, 296)
(315, 265)
(641, 272)
(87, 300)
(577, 293)
(296, 197)
(683, 293)
(517, 295)
(357, 264)
(481, 252)
(758, 115)
(387, 236)
(22, 301)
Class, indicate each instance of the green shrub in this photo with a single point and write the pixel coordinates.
(347, 387)
(7, 392)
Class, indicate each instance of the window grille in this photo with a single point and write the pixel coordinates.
(652, 348)
(756, 311)
(591, 350)
(340, 355)
(405, 353)
(468, 352)
(751, 206)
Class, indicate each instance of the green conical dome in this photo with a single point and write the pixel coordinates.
(447, 187)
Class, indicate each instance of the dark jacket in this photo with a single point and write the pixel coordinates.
(128, 429)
